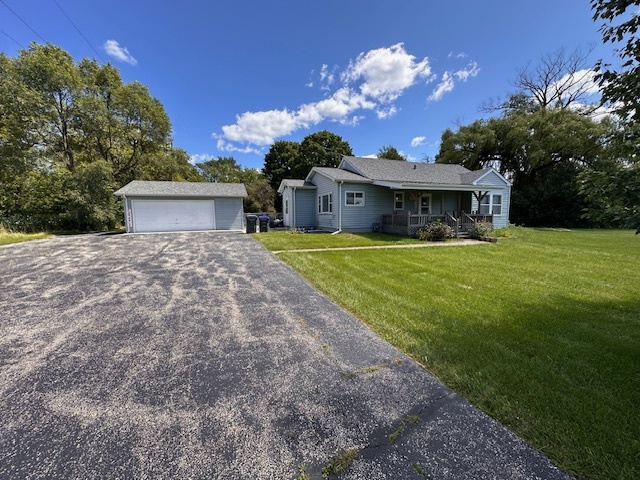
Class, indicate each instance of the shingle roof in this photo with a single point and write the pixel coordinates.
(410, 172)
(182, 189)
(290, 182)
(472, 176)
(339, 174)
(294, 183)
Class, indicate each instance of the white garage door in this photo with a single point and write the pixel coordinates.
(173, 215)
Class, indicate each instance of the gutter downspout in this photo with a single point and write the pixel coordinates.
(339, 209)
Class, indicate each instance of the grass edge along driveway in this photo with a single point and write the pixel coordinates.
(541, 331)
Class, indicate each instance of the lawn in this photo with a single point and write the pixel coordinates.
(7, 238)
(541, 331)
(278, 241)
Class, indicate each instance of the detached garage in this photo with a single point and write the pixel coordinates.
(181, 206)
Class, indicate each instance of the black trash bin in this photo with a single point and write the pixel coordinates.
(252, 220)
(264, 222)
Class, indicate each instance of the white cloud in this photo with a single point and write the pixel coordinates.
(445, 86)
(580, 81)
(262, 128)
(353, 121)
(373, 81)
(113, 49)
(448, 81)
(470, 70)
(200, 158)
(417, 141)
(383, 113)
(457, 55)
(224, 146)
(387, 72)
(327, 77)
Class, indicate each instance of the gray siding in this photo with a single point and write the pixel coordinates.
(499, 221)
(228, 210)
(229, 213)
(377, 202)
(327, 221)
(496, 185)
(493, 179)
(305, 208)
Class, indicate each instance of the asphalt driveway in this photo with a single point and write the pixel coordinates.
(201, 355)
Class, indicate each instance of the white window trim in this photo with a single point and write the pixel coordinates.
(286, 206)
(395, 202)
(355, 192)
(491, 204)
(330, 203)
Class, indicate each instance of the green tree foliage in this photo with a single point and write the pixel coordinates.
(389, 152)
(279, 162)
(620, 87)
(288, 159)
(221, 170)
(613, 189)
(260, 195)
(542, 152)
(320, 149)
(70, 135)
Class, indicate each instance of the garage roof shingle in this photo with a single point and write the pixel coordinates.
(182, 189)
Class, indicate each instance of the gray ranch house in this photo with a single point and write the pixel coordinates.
(181, 206)
(365, 194)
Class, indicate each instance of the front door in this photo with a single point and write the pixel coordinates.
(425, 204)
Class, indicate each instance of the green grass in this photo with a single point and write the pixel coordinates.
(277, 241)
(541, 331)
(7, 238)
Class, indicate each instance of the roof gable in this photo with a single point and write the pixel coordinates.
(337, 174)
(490, 176)
(293, 183)
(182, 189)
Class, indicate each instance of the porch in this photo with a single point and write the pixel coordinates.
(409, 224)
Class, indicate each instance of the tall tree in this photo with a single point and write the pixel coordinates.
(280, 161)
(221, 170)
(558, 80)
(541, 152)
(17, 122)
(145, 129)
(260, 195)
(613, 188)
(320, 149)
(71, 133)
(620, 86)
(50, 71)
(171, 164)
(389, 152)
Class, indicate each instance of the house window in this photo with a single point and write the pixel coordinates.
(491, 203)
(425, 204)
(325, 203)
(286, 207)
(398, 201)
(354, 199)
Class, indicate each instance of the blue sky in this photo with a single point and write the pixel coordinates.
(234, 76)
